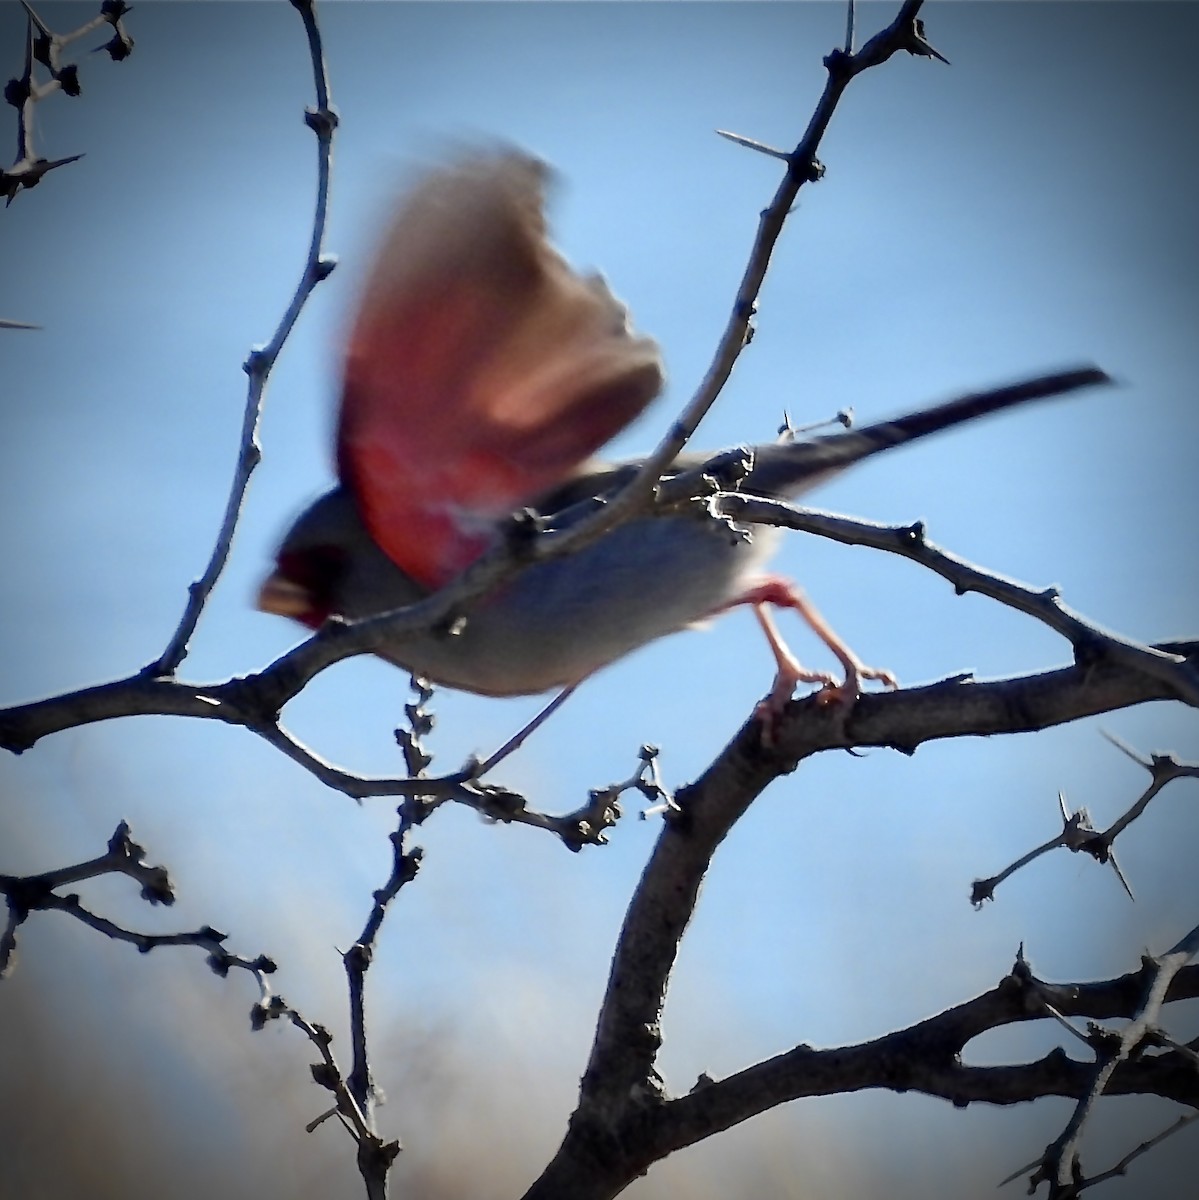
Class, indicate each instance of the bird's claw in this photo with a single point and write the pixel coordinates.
(840, 694)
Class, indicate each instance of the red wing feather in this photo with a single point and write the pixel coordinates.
(481, 370)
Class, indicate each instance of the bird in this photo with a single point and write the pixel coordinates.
(481, 375)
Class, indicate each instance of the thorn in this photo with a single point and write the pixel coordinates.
(788, 432)
(751, 144)
(1111, 858)
(921, 46)
(42, 28)
(1125, 748)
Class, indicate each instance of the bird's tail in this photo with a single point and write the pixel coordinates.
(787, 469)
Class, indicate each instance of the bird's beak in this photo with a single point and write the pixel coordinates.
(284, 598)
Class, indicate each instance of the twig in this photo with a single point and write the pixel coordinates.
(357, 960)
(1163, 768)
(904, 33)
(257, 700)
(1121, 1168)
(519, 738)
(322, 120)
(1060, 1164)
(43, 47)
(420, 722)
(326, 1073)
(356, 1093)
(27, 894)
(1078, 834)
(36, 893)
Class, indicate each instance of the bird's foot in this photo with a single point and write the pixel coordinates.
(781, 593)
(846, 694)
(769, 710)
(842, 695)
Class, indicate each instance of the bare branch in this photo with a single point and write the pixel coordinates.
(1060, 1164)
(606, 1148)
(905, 33)
(1164, 768)
(1091, 643)
(326, 1073)
(322, 120)
(420, 722)
(621, 1088)
(1078, 834)
(257, 700)
(357, 960)
(357, 1094)
(626, 1120)
(27, 894)
(1121, 1168)
(36, 893)
(43, 48)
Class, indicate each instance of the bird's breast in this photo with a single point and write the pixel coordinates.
(560, 621)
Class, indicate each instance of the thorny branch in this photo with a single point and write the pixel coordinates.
(623, 1109)
(41, 893)
(43, 48)
(1060, 1166)
(621, 1089)
(905, 33)
(1120, 1169)
(901, 719)
(607, 1148)
(357, 960)
(1078, 834)
(927, 1056)
(1090, 642)
(1163, 769)
(255, 701)
(27, 894)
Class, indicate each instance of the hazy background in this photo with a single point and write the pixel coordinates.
(1030, 207)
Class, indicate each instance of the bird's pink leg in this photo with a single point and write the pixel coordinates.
(781, 593)
(789, 671)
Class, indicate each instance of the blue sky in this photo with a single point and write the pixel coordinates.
(1030, 207)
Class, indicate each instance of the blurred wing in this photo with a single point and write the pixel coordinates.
(481, 370)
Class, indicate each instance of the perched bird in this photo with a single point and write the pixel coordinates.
(481, 373)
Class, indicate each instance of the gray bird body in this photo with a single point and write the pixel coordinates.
(559, 621)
